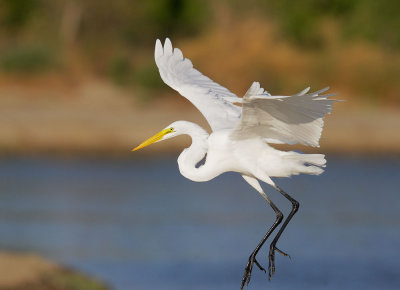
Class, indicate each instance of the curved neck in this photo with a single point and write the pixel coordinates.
(191, 156)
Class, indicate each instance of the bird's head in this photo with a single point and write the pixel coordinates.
(168, 132)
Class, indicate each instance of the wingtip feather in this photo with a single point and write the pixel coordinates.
(158, 51)
(167, 47)
(178, 53)
(321, 91)
(303, 92)
(255, 90)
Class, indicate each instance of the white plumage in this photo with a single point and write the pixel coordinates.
(283, 119)
(240, 137)
(278, 119)
(214, 101)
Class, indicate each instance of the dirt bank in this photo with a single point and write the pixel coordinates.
(29, 271)
(94, 117)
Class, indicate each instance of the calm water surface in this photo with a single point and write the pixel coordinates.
(138, 224)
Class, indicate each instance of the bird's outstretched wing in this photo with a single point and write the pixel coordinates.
(283, 119)
(213, 101)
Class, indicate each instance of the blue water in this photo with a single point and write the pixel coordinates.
(138, 224)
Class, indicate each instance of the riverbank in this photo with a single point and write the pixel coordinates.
(30, 271)
(95, 117)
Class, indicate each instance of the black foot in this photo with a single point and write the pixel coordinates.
(247, 271)
(271, 264)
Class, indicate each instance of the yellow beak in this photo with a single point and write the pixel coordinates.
(153, 139)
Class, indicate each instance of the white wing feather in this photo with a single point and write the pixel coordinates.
(283, 119)
(213, 101)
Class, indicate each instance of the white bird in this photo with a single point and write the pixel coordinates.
(240, 135)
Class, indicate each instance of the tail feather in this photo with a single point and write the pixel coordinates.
(307, 163)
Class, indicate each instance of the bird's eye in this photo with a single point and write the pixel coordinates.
(171, 129)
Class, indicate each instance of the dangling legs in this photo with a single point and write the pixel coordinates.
(273, 248)
(279, 216)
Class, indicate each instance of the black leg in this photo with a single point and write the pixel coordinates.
(273, 248)
(252, 258)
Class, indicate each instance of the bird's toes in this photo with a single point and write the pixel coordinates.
(245, 279)
(271, 264)
(249, 268)
(259, 266)
(282, 252)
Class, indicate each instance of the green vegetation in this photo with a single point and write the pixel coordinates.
(124, 23)
(70, 280)
(120, 69)
(17, 13)
(115, 39)
(375, 21)
(26, 59)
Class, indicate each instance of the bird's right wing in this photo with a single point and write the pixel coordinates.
(213, 100)
(283, 119)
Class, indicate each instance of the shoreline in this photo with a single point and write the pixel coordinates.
(28, 270)
(98, 118)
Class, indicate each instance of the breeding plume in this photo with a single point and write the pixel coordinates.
(241, 135)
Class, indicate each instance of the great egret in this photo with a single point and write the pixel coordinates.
(240, 137)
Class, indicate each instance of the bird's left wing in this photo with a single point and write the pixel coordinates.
(283, 119)
(211, 99)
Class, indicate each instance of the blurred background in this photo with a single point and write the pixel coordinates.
(79, 88)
